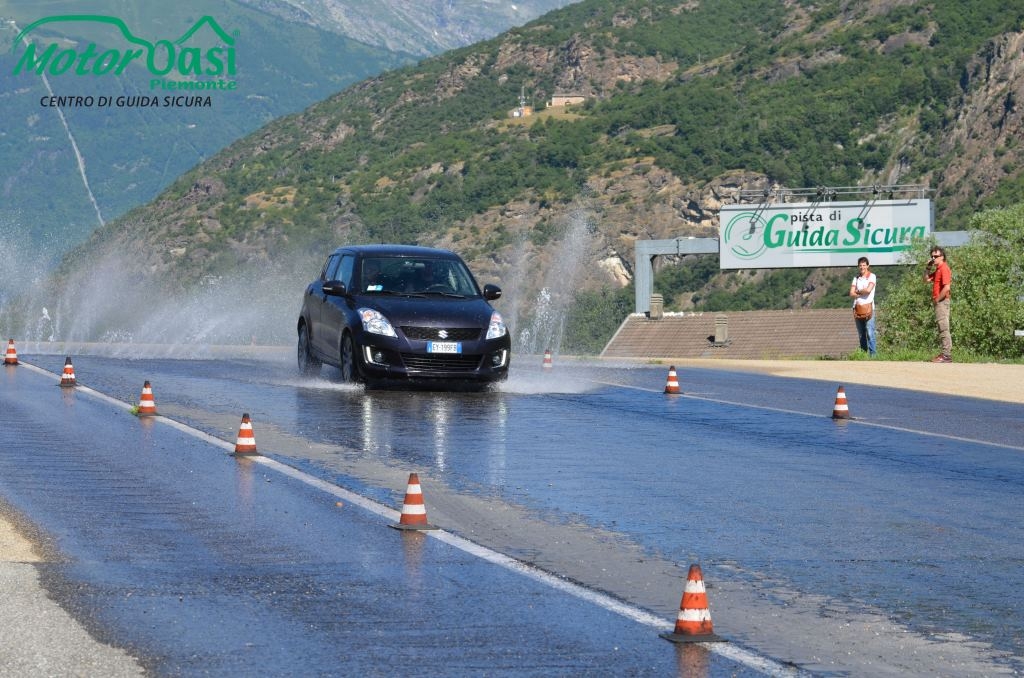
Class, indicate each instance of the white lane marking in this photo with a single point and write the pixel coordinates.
(852, 420)
(731, 651)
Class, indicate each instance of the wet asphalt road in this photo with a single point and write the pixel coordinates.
(199, 562)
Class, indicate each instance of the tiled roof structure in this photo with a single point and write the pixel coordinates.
(755, 335)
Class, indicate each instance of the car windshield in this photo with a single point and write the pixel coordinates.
(416, 275)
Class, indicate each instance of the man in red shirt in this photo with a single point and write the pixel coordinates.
(941, 278)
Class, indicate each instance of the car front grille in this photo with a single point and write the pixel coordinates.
(455, 362)
(431, 333)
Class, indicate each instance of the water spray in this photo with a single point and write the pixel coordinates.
(556, 296)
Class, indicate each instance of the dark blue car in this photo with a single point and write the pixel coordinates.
(383, 313)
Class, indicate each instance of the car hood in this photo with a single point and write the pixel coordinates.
(430, 311)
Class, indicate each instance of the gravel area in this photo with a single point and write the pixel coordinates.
(39, 638)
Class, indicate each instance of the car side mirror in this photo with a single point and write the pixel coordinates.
(492, 292)
(335, 288)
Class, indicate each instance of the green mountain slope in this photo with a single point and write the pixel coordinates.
(684, 105)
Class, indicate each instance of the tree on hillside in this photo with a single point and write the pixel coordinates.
(988, 286)
(594, 318)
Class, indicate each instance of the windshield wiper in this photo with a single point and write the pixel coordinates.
(451, 295)
(395, 293)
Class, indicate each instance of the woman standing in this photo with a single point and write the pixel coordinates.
(862, 289)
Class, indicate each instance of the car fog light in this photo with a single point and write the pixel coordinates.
(374, 355)
(498, 359)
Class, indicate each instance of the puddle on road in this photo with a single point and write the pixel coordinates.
(320, 384)
(526, 384)
(532, 384)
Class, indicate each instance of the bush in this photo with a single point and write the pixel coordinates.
(988, 282)
(594, 318)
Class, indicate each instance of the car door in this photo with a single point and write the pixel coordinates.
(315, 300)
(333, 312)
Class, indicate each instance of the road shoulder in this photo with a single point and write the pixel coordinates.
(989, 381)
(40, 638)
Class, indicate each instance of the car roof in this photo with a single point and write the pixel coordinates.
(397, 251)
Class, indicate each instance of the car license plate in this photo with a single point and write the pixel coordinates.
(444, 347)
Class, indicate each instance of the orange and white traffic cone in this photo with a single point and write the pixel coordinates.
(672, 383)
(246, 443)
(547, 359)
(414, 512)
(693, 625)
(147, 406)
(841, 410)
(11, 358)
(68, 377)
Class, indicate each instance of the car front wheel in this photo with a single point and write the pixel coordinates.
(309, 366)
(349, 369)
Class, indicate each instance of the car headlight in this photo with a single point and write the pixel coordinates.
(497, 327)
(375, 323)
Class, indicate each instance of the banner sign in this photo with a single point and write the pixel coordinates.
(820, 234)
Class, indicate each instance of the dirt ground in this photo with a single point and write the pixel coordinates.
(990, 381)
(13, 547)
